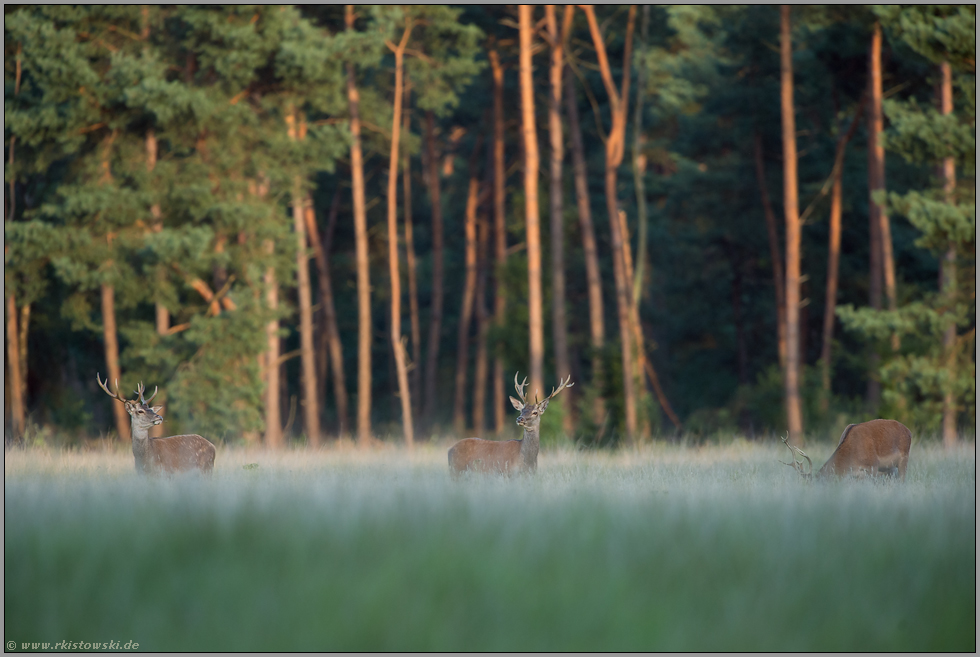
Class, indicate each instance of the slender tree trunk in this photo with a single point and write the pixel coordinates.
(330, 332)
(556, 193)
(17, 415)
(435, 320)
(794, 416)
(532, 215)
(614, 156)
(948, 274)
(112, 356)
(884, 229)
(500, 236)
(639, 162)
(774, 254)
(401, 366)
(833, 259)
(482, 326)
(161, 311)
(469, 292)
(361, 250)
(311, 408)
(413, 288)
(597, 331)
(273, 417)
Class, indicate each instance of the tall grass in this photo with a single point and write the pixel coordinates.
(660, 548)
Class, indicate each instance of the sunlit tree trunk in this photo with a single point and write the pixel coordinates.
(413, 288)
(273, 417)
(615, 143)
(482, 326)
(435, 319)
(361, 250)
(833, 258)
(875, 145)
(17, 415)
(311, 409)
(794, 415)
(948, 273)
(25, 322)
(109, 336)
(397, 345)
(466, 313)
(331, 333)
(531, 212)
(556, 194)
(161, 312)
(774, 253)
(499, 235)
(597, 331)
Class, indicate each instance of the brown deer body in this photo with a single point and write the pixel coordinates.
(505, 456)
(168, 455)
(868, 448)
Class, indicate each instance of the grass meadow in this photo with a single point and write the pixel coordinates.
(663, 547)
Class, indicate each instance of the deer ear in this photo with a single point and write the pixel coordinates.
(518, 405)
(543, 405)
(157, 409)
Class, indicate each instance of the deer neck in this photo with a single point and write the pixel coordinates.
(141, 445)
(529, 446)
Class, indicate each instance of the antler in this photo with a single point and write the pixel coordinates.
(140, 390)
(520, 387)
(104, 387)
(562, 385)
(798, 465)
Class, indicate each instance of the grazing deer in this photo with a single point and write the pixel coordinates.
(506, 456)
(159, 455)
(869, 448)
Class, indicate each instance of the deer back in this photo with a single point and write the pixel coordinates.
(179, 454)
(480, 455)
(871, 447)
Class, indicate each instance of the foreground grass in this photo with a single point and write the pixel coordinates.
(665, 548)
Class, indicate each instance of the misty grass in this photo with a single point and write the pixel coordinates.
(663, 548)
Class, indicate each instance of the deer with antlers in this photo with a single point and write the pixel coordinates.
(161, 455)
(506, 456)
(868, 448)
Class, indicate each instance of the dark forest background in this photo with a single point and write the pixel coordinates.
(169, 156)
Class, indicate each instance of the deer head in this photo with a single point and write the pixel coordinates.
(798, 464)
(139, 409)
(531, 413)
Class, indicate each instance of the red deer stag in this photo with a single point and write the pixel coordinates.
(869, 448)
(506, 456)
(161, 455)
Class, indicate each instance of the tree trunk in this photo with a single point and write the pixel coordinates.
(469, 292)
(112, 356)
(532, 216)
(161, 311)
(555, 196)
(597, 331)
(435, 320)
(794, 416)
(413, 288)
(833, 259)
(273, 417)
(639, 163)
(17, 415)
(500, 236)
(25, 322)
(948, 274)
(877, 126)
(361, 250)
(330, 332)
(482, 326)
(774, 254)
(614, 157)
(397, 345)
(311, 407)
